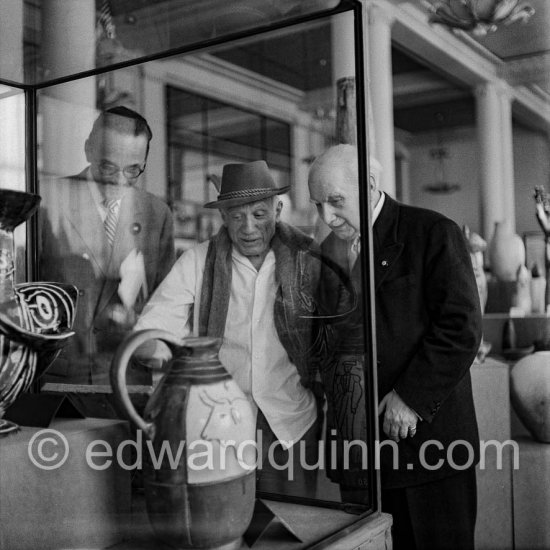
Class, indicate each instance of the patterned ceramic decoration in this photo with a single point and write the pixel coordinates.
(35, 318)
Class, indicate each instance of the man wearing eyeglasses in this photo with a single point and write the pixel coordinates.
(112, 240)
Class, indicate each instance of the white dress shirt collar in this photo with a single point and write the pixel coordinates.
(377, 209)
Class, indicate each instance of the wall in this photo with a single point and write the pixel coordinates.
(531, 167)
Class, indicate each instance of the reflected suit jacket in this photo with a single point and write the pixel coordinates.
(428, 330)
(74, 249)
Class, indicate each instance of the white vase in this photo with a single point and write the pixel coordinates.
(506, 253)
(521, 298)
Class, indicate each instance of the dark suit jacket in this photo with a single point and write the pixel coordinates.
(74, 248)
(428, 330)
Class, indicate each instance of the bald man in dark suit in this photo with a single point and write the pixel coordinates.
(428, 330)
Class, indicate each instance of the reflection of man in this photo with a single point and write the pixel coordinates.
(428, 331)
(249, 284)
(110, 239)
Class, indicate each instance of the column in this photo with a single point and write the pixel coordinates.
(11, 42)
(381, 92)
(153, 107)
(488, 109)
(300, 166)
(343, 47)
(509, 195)
(12, 101)
(68, 110)
(343, 77)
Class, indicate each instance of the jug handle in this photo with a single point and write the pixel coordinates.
(119, 366)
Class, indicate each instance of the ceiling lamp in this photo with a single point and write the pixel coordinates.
(478, 16)
(439, 154)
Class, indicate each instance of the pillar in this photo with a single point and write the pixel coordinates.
(509, 195)
(153, 108)
(489, 112)
(343, 46)
(68, 110)
(11, 42)
(381, 92)
(12, 101)
(343, 77)
(300, 166)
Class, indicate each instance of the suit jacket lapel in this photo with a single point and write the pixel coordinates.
(386, 247)
(86, 221)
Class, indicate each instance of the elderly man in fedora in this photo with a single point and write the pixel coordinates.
(251, 285)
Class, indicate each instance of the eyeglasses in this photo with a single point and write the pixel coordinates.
(107, 169)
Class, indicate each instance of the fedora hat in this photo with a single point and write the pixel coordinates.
(244, 183)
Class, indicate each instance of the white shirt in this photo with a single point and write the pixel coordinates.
(251, 350)
(355, 245)
(378, 208)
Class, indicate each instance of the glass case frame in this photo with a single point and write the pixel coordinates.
(355, 6)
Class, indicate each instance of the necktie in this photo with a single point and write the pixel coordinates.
(111, 219)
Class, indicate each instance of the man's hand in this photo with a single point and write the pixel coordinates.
(399, 419)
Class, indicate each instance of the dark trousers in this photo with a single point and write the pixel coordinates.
(273, 476)
(439, 515)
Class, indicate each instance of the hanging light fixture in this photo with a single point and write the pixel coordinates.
(440, 185)
(478, 16)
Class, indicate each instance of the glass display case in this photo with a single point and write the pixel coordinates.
(216, 82)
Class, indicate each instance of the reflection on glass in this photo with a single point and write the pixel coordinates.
(60, 38)
(270, 101)
(112, 240)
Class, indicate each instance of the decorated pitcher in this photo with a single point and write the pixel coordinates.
(198, 444)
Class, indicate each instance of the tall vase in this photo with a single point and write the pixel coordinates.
(530, 391)
(35, 318)
(506, 253)
(204, 497)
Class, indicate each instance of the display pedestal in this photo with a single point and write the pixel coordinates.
(532, 495)
(73, 506)
(491, 389)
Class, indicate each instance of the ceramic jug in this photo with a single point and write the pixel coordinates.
(198, 444)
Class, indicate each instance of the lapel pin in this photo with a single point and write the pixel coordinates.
(385, 263)
(136, 228)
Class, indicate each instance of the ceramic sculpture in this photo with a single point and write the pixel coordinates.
(506, 253)
(35, 318)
